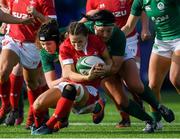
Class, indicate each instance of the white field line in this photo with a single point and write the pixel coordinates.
(116, 113)
(106, 124)
(113, 124)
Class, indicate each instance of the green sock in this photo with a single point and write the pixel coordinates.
(135, 110)
(156, 116)
(149, 97)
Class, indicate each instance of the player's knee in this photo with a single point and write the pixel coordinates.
(176, 82)
(155, 87)
(3, 76)
(37, 105)
(69, 92)
(136, 88)
(32, 85)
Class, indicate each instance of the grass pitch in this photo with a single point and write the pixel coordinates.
(81, 126)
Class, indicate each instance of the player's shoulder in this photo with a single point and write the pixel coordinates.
(117, 32)
(66, 44)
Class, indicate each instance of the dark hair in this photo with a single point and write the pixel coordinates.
(49, 31)
(101, 15)
(76, 28)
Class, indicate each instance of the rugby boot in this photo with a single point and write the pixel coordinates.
(99, 115)
(124, 123)
(166, 113)
(3, 112)
(150, 126)
(12, 116)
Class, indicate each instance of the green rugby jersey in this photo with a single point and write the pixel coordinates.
(117, 43)
(164, 13)
(49, 60)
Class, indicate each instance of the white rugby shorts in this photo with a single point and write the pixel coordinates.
(166, 48)
(131, 49)
(27, 52)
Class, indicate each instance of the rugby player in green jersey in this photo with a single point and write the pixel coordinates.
(165, 54)
(49, 52)
(102, 24)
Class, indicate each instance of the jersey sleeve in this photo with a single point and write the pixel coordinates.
(118, 43)
(48, 8)
(65, 54)
(137, 7)
(47, 64)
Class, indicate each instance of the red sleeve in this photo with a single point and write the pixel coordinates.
(48, 8)
(90, 5)
(64, 51)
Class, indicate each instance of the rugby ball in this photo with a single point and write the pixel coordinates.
(85, 63)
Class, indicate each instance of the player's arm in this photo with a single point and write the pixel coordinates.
(7, 18)
(51, 79)
(31, 10)
(47, 11)
(136, 11)
(69, 73)
(130, 24)
(145, 33)
(89, 13)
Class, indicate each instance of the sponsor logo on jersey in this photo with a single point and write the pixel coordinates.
(20, 15)
(120, 13)
(160, 6)
(160, 18)
(101, 6)
(148, 8)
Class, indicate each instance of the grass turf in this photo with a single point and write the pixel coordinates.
(81, 126)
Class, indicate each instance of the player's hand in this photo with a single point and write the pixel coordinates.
(31, 10)
(3, 28)
(93, 74)
(102, 69)
(145, 35)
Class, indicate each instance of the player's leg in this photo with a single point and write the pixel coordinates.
(8, 59)
(19, 120)
(175, 70)
(33, 89)
(135, 85)
(158, 68)
(30, 59)
(132, 55)
(64, 104)
(113, 87)
(16, 80)
(42, 88)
